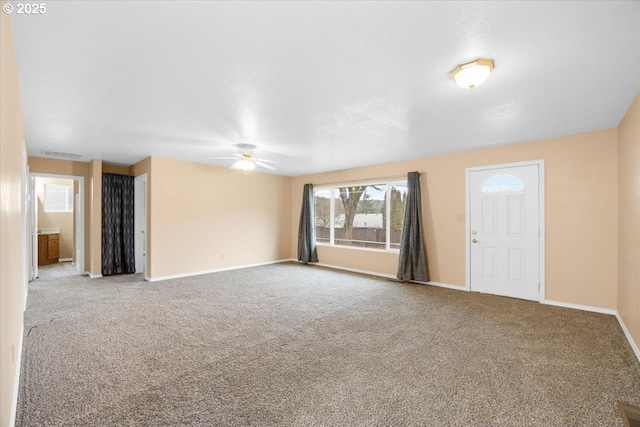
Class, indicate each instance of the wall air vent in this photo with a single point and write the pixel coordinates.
(62, 154)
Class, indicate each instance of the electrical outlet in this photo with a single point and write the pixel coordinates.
(460, 218)
(221, 256)
(13, 353)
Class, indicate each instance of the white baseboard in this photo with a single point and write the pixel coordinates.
(215, 270)
(390, 276)
(443, 285)
(548, 302)
(627, 334)
(16, 385)
(94, 276)
(355, 270)
(65, 259)
(580, 307)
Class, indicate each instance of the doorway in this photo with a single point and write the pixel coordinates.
(505, 230)
(56, 225)
(140, 223)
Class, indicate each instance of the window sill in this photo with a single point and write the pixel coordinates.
(357, 248)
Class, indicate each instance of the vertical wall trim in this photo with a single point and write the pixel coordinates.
(627, 334)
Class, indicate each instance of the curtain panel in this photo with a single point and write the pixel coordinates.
(307, 251)
(118, 252)
(412, 263)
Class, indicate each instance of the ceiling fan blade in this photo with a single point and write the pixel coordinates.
(259, 163)
(268, 161)
(220, 158)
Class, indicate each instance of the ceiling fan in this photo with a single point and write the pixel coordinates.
(246, 159)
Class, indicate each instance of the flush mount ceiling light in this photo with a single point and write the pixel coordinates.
(472, 73)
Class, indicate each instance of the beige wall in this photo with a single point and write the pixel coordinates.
(61, 220)
(12, 277)
(581, 214)
(629, 220)
(141, 168)
(95, 217)
(67, 167)
(206, 217)
(120, 170)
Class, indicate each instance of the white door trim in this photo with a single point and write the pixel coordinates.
(32, 233)
(140, 184)
(25, 219)
(541, 185)
(79, 231)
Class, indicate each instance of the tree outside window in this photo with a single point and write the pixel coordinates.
(360, 215)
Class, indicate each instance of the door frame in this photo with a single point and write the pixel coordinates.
(33, 227)
(141, 220)
(541, 219)
(80, 216)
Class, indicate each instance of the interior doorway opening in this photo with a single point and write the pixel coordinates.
(56, 225)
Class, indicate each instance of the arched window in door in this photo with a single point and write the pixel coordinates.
(501, 183)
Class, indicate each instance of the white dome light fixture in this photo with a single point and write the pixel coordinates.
(246, 165)
(470, 74)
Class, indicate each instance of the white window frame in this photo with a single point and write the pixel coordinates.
(68, 198)
(333, 187)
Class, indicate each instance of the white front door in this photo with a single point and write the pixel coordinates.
(504, 231)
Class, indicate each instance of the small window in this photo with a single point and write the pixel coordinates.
(58, 198)
(503, 182)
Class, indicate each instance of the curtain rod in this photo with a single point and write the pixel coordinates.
(356, 181)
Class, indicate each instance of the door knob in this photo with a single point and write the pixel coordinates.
(475, 241)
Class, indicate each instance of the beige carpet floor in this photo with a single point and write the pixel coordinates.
(292, 345)
(60, 269)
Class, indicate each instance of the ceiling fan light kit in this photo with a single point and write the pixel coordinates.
(246, 160)
(470, 74)
(245, 147)
(246, 165)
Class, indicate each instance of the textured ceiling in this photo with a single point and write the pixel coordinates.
(318, 86)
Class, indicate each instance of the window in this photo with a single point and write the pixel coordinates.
(365, 215)
(501, 183)
(58, 198)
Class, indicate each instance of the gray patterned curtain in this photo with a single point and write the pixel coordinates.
(412, 264)
(307, 251)
(118, 253)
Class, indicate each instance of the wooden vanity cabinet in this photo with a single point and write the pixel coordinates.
(48, 248)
